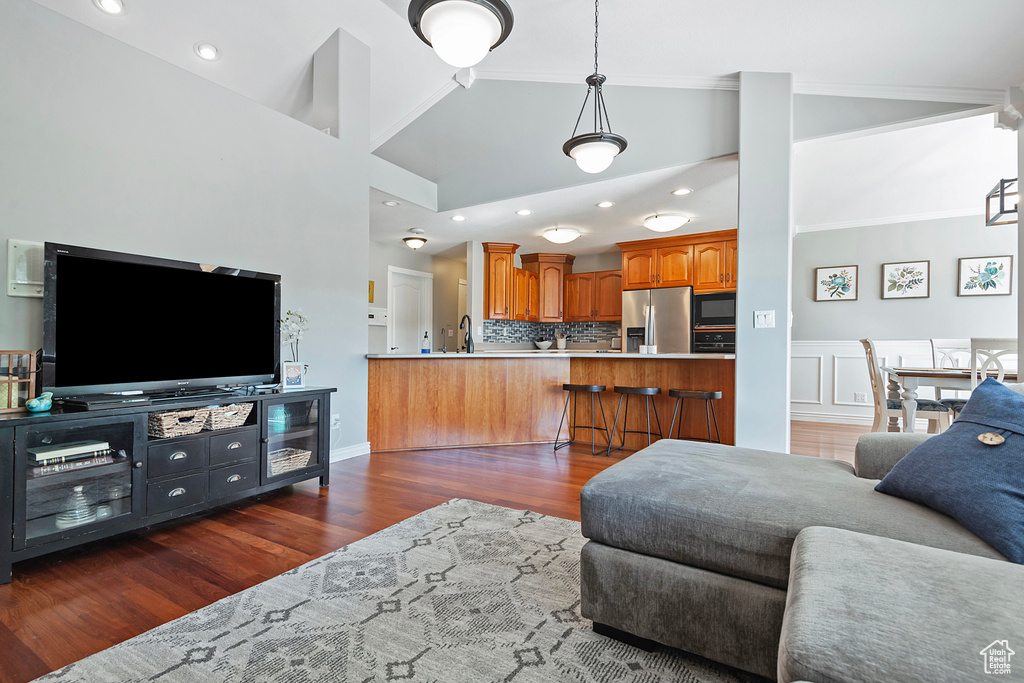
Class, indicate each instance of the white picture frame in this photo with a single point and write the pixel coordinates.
(292, 375)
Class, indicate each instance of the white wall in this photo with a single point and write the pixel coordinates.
(942, 315)
(108, 147)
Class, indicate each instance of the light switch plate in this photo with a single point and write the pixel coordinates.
(764, 319)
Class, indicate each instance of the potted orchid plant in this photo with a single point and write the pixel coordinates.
(293, 328)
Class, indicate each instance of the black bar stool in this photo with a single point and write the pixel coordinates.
(709, 409)
(625, 393)
(574, 391)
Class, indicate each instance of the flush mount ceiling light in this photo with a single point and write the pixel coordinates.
(390, 202)
(1001, 204)
(114, 7)
(417, 240)
(207, 51)
(682, 191)
(605, 205)
(461, 32)
(665, 222)
(594, 152)
(561, 235)
(524, 212)
(458, 219)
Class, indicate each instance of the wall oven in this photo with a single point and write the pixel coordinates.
(717, 309)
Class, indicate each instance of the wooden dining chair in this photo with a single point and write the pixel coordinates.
(992, 355)
(951, 353)
(935, 412)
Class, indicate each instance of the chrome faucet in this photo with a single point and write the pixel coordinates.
(444, 342)
(469, 332)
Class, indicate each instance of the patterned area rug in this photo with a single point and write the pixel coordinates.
(462, 592)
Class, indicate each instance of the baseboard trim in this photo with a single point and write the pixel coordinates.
(352, 451)
(846, 419)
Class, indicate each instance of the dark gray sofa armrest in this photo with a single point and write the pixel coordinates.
(879, 451)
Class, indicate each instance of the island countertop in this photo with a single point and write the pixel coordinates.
(604, 355)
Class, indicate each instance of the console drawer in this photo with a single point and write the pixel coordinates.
(226, 481)
(225, 448)
(180, 456)
(175, 493)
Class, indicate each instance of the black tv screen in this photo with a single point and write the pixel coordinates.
(120, 322)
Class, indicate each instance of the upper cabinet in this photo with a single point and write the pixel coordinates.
(525, 295)
(593, 296)
(706, 262)
(499, 286)
(638, 269)
(551, 270)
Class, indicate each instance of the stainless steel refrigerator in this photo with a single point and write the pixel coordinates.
(657, 316)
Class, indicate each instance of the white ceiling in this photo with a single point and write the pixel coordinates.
(933, 171)
(832, 47)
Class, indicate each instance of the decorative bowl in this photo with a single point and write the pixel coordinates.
(543, 345)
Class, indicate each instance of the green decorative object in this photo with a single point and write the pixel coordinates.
(41, 403)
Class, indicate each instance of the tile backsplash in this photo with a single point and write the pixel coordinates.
(519, 332)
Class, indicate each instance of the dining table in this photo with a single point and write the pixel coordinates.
(904, 383)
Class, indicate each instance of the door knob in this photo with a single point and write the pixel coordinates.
(265, 439)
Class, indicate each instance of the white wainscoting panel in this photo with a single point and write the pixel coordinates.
(838, 370)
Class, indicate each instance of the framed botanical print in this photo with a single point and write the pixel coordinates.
(835, 283)
(985, 276)
(906, 280)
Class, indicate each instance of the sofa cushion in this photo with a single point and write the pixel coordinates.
(866, 608)
(737, 510)
(974, 471)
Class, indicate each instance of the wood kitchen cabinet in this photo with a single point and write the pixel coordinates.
(593, 296)
(551, 270)
(705, 261)
(525, 295)
(499, 286)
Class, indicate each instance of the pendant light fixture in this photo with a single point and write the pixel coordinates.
(594, 152)
(461, 32)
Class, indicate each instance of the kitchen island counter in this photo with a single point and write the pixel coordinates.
(502, 398)
(610, 355)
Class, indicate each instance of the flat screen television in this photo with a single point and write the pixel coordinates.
(117, 322)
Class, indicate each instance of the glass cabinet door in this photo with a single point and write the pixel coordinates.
(293, 437)
(75, 479)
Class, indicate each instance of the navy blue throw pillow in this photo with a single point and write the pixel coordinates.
(974, 471)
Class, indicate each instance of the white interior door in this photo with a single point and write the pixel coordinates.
(410, 309)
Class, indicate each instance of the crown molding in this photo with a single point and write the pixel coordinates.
(730, 82)
(890, 220)
(422, 107)
(902, 92)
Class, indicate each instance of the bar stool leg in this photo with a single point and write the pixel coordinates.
(658, 421)
(565, 411)
(707, 414)
(647, 404)
(615, 423)
(718, 435)
(604, 421)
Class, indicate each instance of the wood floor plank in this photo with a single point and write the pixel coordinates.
(68, 605)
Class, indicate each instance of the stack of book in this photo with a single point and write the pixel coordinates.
(67, 457)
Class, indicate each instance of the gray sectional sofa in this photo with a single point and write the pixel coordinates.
(790, 566)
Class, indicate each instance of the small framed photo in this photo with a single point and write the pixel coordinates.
(292, 375)
(985, 276)
(906, 280)
(835, 283)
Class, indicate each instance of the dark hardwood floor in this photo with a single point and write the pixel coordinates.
(65, 606)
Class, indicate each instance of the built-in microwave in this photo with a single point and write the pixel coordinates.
(717, 309)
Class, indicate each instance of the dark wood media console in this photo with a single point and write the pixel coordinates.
(151, 480)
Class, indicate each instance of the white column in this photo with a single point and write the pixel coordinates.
(1017, 95)
(765, 260)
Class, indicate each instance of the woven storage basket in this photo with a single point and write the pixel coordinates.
(226, 417)
(177, 422)
(287, 460)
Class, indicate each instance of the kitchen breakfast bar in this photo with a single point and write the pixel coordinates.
(500, 398)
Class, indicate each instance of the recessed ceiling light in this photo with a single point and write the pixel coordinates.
(523, 212)
(458, 219)
(207, 51)
(682, 191)
(561, 235)
(110, 6)
(665, 222)
(390, 202)
(605, 205)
